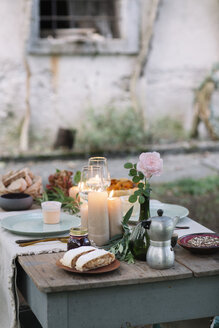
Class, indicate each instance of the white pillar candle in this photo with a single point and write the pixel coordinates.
(74, 193)
(84, 215)
(98, 219)
(115, 215)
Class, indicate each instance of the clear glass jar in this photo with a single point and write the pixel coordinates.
(78, 237)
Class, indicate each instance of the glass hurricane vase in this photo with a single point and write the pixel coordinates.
(139, 239)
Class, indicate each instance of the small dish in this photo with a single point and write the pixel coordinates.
(16, 202)
(108, 268)
(184, 242)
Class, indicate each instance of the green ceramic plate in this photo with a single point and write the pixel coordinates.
(31, 224)
(170, 210)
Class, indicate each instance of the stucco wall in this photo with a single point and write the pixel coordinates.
(184, 47)
(69, 86)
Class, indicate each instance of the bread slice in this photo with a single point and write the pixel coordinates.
(94, 260)
(70, 257)
(28, 180)
(11, 176)
(35, 190)
(7, 180)
(18, 185)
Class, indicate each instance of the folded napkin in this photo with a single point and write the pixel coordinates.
(9, 251)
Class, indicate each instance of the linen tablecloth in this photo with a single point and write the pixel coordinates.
(9, 251)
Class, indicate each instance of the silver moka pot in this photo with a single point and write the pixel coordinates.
(160, 254)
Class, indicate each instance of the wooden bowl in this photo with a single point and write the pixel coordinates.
(183, 241)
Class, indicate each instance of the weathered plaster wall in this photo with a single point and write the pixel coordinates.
(68, 86)
(13, 32)
(183, 49)
(12, 74)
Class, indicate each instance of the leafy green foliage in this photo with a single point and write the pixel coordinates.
(141, 199)
(128, 166)
(190, 186)
(119, 245)
(140, 185)
(143, 185)
(111, 129)
(167, 129)
(69, 204)
(133, 172)
(77, 177)
(133, 198)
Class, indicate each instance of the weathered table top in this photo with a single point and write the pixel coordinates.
(49, 278)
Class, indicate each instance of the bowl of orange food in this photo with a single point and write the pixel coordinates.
(122, 187)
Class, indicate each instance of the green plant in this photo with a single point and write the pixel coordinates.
(111, 129)
(143, 188)
(119, 245)
(167, 129)
(190, 186)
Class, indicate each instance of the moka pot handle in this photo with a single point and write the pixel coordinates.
(146, 224)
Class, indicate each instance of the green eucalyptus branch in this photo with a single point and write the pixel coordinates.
(144, 189)
(119, 244)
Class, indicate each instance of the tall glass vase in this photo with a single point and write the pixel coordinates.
(139, 239)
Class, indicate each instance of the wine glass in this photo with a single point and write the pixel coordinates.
(101, 162)
(91, 180)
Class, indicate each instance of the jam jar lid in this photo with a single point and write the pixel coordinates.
(80, 231)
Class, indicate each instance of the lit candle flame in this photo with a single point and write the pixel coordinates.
(81, 185)
(111, 194)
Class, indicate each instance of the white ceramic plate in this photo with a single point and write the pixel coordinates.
(170, 210)
(31, 224)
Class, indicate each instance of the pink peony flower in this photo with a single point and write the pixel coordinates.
(150, 164)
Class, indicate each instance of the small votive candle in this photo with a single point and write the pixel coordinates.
(51, 212)
(74, 193)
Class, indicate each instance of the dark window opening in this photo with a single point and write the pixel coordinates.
(72, 16)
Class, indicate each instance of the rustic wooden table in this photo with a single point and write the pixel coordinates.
(133, 293)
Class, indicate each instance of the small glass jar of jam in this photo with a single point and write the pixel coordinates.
(78, 237)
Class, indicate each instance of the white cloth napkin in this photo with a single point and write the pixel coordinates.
(9, 251)
(195, 227)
